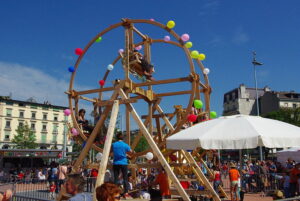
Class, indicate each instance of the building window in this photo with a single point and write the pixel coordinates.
(32, 126)
(22, 105)
(21, 113)
(6, 136)
(294, 105)
(9, 103)
(44, 138)
(55, 117)
(6, 146)
(44, 116)
(8, 112)
(44, 129)
(54, 138)
(33, 115)
(21, 124)
(7, 124)
(55, 129)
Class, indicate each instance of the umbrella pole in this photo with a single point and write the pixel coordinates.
(260, 153)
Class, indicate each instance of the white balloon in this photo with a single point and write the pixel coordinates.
(206, 71)
(149, 156)
(110, 67)
(99, 156)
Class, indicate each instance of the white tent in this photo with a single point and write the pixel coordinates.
(236, 132)
(293, 153)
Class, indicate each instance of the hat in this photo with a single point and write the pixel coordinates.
(232, 165)
(278, 194)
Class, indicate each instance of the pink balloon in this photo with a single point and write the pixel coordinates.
(67, 112)
(121, 51)
(152, 20)
(74, 132)
(78, 51)
(138, 47)
(167, 38)
(185, 37)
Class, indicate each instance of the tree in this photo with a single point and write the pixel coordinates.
(142, 145)
(288, 115)
(25, 138)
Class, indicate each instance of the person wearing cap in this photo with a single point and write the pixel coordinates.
(234, 177)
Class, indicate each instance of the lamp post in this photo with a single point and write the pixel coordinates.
(256, 63)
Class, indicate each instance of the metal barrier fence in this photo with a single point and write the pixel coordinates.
(258, 182)
(32, 190)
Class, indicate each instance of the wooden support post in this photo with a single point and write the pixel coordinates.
(158, 128)
(107, 146)
(198, 172)
(127, 52)
(93, 135)
(156, 150)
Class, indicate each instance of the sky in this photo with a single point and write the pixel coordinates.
(38, 38)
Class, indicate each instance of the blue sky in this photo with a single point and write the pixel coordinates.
(38, 38)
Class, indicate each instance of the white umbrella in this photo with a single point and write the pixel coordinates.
(236, 132)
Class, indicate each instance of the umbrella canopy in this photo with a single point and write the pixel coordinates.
(236, 132)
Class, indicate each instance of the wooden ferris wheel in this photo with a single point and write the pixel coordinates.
(128, 91)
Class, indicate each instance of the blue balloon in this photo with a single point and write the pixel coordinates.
(71, 69)
(201, 188)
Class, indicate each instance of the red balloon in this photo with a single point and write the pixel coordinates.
(101, 82)
(78, 51)
(192, 118)
(59, 155)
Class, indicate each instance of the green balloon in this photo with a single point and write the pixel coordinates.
(188, 45)
(99, 39)
(194, 54)
(198, 104)
(213, 115)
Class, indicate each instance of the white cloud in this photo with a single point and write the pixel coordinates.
(209, 7)
(240, 37)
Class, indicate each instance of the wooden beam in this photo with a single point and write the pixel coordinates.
(139, 33)
(107, 146)
(174, 93)
(87, 99)
(91, 91)
(158, 115)
(168, 81)
(158, 128)
(155, 149)
(110, 102)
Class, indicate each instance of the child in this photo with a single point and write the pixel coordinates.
(52, 190)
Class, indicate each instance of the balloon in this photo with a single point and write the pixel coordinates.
(171, 24)
(198, 104)
(74, 132)
(101, 82)
(99, 156)
(206, 71)
(188, 45)
(201, 188)
(120, 51)
(99, 39)
(194, 54)
(67, 112)
(185, 37)
(201, 57)
(152, 20)
(71, 69)
(173, 157)
(59, 155)
(192, 118)
(213, 114)
(167, 38)
(138, 47)
(78, 51)
(110, 67)
(149, 156)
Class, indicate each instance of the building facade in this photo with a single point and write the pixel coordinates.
(242, 100)
(47, 121)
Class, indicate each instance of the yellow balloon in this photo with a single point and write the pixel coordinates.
(201, 57)
(194, 54)
(171, 24)
(188, 45)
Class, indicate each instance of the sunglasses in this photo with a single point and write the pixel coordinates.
(118, 197)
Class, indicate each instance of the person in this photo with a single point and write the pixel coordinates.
(234, 177)
(289, 164)
(120, 163)
(83, 122)
(74, 186)
(148, 69)
(163, 182)
(52, 188)
(62, 173)
(108, 192)
(216, 178)
(286, 184)
(294, 174)
(6, 195)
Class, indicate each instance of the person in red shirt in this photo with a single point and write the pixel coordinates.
(52, 189)
(234, 177)
(216, 178)
(163, 182)
(294, 175)
(21, 176)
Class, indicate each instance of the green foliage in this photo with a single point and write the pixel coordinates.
(142, 145)
(25, 138)
(288, 115)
